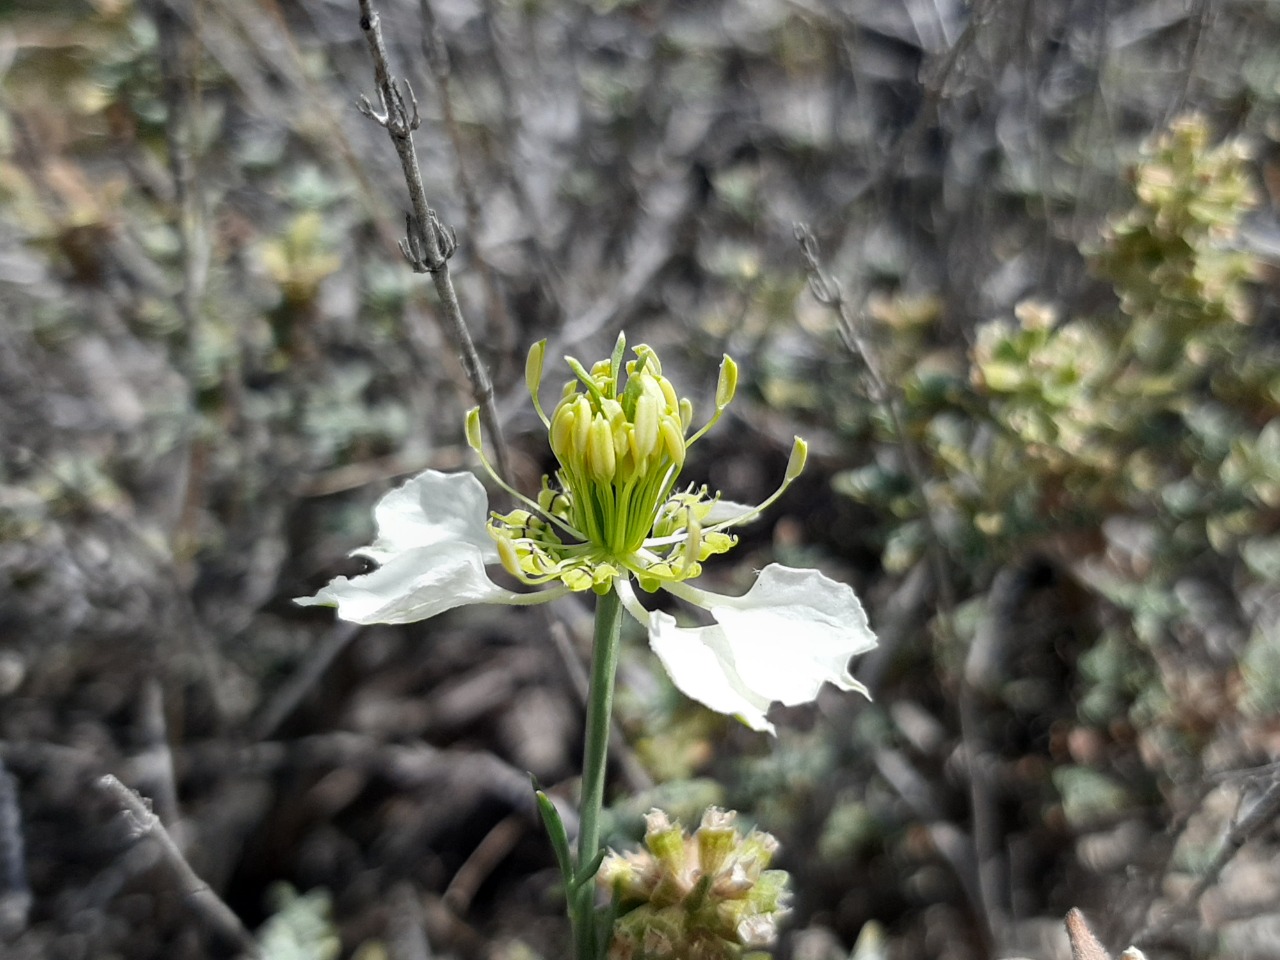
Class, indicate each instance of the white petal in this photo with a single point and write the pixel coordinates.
(699, 663)
(432, 508)
(415, 584)
(701, 666)
(793, 631)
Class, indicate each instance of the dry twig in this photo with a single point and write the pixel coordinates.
(182, 111)
(15, 894)
(484, 859)
(286, 699)
(207, 904)
(1245, 825)
(428, 243)
(987, 851)
(406, 938)
(154, 766)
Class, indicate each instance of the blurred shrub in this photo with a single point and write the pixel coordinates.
(1163, 413)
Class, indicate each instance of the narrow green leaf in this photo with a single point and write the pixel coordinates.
(559, 838)
(589, 874)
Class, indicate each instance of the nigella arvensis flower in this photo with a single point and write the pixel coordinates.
(613, 514)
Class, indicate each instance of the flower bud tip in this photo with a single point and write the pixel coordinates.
(799, 456)
(727, 385)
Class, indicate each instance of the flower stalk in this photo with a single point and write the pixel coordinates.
(604, 669)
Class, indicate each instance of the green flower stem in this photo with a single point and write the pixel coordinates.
(604, 667)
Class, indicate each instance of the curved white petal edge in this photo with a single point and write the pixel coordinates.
(413, 585)
(793, 631)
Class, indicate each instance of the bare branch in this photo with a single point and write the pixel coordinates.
(406, 940)
(154, 765)
(1249, 821)
(428, 244)
(988, 852)
(286, 700)
(207, 904)
(15, 893)
(484, 859)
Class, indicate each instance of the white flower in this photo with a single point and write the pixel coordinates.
(793, 631)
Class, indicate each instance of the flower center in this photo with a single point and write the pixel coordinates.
(620, 448)
(620, 435)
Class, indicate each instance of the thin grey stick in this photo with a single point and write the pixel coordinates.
(181, 119)
(1244, 828)
(428, 243)
(827, 290)
(406, 939)
(15, 892)
(286, 700)
(207, 904)
(155, 764)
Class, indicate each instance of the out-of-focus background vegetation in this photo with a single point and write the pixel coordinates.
(1064, 512)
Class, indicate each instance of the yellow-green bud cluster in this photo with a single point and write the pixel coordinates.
(709, 896)
(620, 434)
(620, 446)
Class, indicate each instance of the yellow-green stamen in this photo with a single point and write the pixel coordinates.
(620, 434)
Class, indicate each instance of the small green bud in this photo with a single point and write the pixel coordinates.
(799, 455)
(619, 351)
(664, 839)
(576, 579)
(668, 392)
(533, 372)
(727, 385)
(646, 358)
(473, 429)
(581, 426)
(561, 435)
(693, 543)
